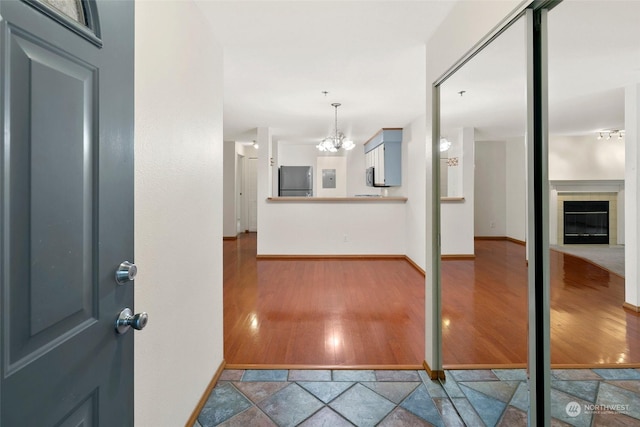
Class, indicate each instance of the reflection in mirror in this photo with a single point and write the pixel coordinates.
(451, 166)
(488, 120)
(487, 97)
(484, 294)
(594, 71)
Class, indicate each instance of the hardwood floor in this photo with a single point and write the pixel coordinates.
(484, 306)
(320, 312)
(352, 312)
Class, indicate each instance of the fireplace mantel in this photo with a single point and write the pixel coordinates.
(588, 186)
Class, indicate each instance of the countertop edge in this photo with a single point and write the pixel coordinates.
(337, 199)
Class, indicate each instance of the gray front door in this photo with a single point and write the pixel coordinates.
(66, 211)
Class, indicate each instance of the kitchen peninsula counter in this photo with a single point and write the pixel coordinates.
(356, 199)
(331, 226)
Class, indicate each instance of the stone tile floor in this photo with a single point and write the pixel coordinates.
(498, 397)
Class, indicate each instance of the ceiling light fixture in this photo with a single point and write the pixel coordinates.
(608, 134)
(336, 141)
(445, 144)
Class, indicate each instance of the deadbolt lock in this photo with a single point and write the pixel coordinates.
(126, 272)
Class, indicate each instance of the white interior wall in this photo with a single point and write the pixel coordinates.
(266, 172)
(621, 225)
(413, 183)
(632, 188)
(490, 217)
(457, 218)
(585, 158)
(178, 220)
(516, 190)
(297, 154)
(453, 174)
(339, 166)
(246, 150)
(274, 159)
(331, 228)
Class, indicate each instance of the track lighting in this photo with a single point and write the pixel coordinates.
(607, 134)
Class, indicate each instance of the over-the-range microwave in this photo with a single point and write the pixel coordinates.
(370, 177)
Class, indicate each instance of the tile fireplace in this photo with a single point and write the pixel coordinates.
(586, 216)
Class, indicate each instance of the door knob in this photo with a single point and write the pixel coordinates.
(126, 272)
(127, 320)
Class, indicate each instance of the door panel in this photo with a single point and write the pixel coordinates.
(240, 198)
(251, 192)
(53, 204)
(84, 415)
(66, 217)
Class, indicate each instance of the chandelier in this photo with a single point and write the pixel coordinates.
(336, 141)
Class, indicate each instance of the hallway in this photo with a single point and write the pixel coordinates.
(318, 313)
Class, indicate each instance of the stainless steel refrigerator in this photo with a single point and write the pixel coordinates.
(296, 181)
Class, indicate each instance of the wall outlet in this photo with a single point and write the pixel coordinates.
(492, 224)
(345, 238)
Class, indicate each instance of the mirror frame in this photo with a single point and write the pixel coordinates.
(539, 360)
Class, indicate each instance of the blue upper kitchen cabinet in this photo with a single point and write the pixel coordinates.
(383, 153)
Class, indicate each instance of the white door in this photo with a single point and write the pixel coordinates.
(251, 193)
(240, 198)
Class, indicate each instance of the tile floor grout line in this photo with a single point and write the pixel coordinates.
(253, 404)
(571, 390)
(455, 407)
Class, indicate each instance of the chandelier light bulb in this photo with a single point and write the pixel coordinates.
(445, 144)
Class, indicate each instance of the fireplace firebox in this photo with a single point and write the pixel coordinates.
(586, 222)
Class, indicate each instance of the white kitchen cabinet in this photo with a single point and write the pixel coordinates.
(383, 152)
(379, 175)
